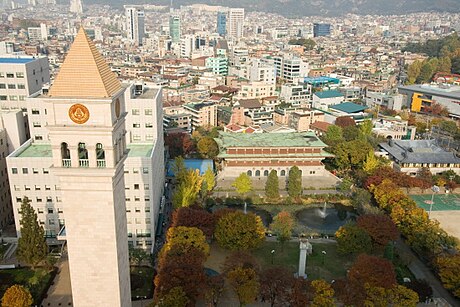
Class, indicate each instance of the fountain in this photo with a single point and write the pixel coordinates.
(322, 219)
(322, 213)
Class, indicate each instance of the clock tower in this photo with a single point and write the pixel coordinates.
(86, 122)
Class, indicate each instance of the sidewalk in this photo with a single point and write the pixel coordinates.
(421, 271)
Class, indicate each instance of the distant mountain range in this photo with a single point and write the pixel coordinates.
(297, 8)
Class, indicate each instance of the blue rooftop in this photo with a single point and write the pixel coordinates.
(349, 107)
(328, 94)
(15, 60)
(321, 81)
(199, 164)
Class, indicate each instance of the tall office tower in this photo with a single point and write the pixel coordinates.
(235, 23)
(321, 29)
(135, 23)
(222, 23)
(174, 28)
(76, 6)
(86, 122)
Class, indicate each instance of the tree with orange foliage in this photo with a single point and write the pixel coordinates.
(370, 270)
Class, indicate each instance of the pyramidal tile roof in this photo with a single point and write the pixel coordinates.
(84, 73)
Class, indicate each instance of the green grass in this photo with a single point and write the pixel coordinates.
(329, 266)
(335, 266)
(287, 256)
(36, 281)
(142, 282)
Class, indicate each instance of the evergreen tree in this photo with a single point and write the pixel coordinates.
(32, 248)
(295, 182)
(272, 190)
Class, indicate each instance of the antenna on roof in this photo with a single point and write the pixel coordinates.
(171, 7)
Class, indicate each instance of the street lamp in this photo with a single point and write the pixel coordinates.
(435, 189)
(273, 255)
(324, 254)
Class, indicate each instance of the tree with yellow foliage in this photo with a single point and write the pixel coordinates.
(17, 296)
(323, 295)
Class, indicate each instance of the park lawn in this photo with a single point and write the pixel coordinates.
(327, 266)
(142, 282)
(287, 255)
(37, 281)
(335, 266)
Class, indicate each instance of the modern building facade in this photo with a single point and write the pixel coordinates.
(175, 28)
(21, 77)
(321, 29)
(235, 23)
(12, 135)
(203, 114)
(222, 23)
(135, 23)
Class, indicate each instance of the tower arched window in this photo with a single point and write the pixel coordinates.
(65, 155)
(283, 172)
(83, 155)
(265, 173)
(100, 155)
(250, 173)
(257, 173)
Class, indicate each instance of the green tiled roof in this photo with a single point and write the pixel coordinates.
(328, 94)
(37, 151)
(140, 150)
(296, 139)
(349, 107)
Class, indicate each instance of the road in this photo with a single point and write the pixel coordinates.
(283, 193)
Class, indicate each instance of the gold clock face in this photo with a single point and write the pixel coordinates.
(117, 108)
(79, 114)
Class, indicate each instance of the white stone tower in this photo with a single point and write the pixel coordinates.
(86, 122)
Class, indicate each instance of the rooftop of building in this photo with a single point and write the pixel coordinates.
(328, 94)
(36, 151)
(147, 93)
(16, 60)
(198, 105)
(418, 151)
(306, 139)
(140, 150)
(349, 107)
(436, 90)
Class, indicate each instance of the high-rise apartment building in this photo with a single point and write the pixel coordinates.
(135, 23)
(222, 23)
(76, 6)
(235, 23)
(21, 77)
(321, 29)
(97, 168)
(174, 28)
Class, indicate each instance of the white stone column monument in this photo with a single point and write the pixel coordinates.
(303, 257)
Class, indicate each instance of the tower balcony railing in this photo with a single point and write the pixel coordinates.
(66, 163)
(100, 163)
(83, 162)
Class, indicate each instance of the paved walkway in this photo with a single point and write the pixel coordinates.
(421, 271)
(60, 293)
